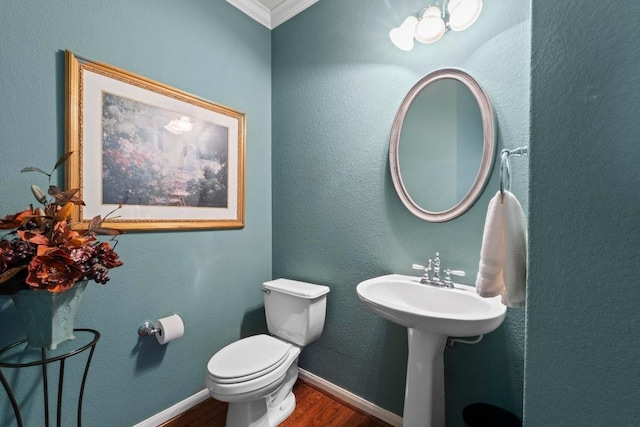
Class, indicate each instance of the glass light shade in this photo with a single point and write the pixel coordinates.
(463, 13)
(431, 26)
(402, 36)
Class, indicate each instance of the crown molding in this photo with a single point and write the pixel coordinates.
(288, 10)
(255, 10)
(271, 18)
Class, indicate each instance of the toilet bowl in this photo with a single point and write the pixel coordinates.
(256, 374)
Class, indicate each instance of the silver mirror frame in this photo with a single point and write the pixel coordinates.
(488, 149)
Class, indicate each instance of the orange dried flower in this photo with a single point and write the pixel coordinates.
(54, 270)
(43, 252)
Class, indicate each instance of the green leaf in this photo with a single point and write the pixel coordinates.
(34, 169)
(62, 159)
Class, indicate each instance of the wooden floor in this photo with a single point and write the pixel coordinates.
(313, 408)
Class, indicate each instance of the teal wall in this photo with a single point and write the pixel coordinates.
(211, 278)
(583, 349)
(337, 83)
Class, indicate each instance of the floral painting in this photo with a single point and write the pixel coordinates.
(164, 158)
(152, 156)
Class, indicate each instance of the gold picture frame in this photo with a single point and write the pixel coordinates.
(162, 158)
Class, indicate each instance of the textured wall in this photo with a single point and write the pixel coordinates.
(337, 83)
(582, 327)
(210, 277)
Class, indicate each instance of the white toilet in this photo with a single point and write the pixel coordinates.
(256, 374)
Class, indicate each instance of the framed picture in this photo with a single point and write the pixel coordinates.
(162, 159)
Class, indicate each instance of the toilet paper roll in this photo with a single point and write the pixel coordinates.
(169, 329)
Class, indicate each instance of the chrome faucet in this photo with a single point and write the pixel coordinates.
(425, 276)
(436, 269)
(435, 280)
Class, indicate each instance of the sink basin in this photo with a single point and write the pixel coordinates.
(458, 312)
(430, 314)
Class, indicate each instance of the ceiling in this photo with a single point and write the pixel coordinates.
(272, 13)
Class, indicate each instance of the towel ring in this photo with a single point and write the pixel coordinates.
(505, 167)
(505, 172)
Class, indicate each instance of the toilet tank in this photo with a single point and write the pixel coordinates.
(295, 310)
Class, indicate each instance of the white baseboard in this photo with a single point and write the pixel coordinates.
(324, 385)
(350, 398)
(175, 410)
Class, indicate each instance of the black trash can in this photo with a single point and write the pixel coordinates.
(486, 415)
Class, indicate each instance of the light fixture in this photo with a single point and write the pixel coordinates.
(180, 126)
(431, 26)
(432, 22)
(463, 13)
(402, 36)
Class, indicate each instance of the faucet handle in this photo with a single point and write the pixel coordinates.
(447, 276)
(425, 271)
(423, 267)
(455, 272)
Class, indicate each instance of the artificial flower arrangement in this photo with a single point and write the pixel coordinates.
(44, 252)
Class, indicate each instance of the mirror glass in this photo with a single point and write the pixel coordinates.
(442, 145)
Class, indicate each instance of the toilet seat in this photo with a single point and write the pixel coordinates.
(252, 365)
(247, 359)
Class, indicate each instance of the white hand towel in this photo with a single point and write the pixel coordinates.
(503, 257)
(515, 252)
(489, 282)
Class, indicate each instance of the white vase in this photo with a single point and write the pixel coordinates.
(49, 317)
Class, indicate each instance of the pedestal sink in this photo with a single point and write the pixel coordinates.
(430, 314)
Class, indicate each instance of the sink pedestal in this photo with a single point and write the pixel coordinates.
(424, 392)
(431, 314)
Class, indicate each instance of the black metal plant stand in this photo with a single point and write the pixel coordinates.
(43, 362)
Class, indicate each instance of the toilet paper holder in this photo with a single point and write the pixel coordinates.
(165, 329)
(147, 328)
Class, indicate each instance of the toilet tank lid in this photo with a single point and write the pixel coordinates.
(297, 288)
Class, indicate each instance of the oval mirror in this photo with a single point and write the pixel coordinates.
(442, 145)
